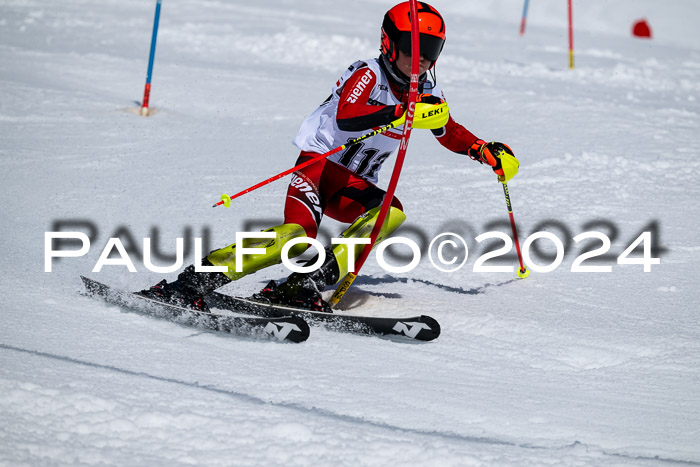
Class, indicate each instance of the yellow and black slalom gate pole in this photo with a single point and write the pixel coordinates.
(226, 199)
(412, 97)
(523, 272)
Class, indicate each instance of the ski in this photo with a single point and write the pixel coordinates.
(283, 327)
(422, 328)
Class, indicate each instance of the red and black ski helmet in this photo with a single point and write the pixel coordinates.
(396, 31)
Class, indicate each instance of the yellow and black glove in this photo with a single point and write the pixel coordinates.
(431, 112)
(498, 155)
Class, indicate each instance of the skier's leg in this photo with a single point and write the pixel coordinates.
(251, 263)
(351, 196)
(340, 256)
(357, 202)
(303, 212)
(362, 228)
(191, 286)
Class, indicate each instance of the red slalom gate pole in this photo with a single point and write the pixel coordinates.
(571, 36)
(408, 126)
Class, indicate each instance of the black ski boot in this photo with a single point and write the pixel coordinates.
(307, 298)
(303, 290)
(189, 289)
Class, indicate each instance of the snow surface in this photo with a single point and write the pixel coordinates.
(560, 368)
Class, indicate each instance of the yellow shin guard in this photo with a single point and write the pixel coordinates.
(273, 251)
(362, 228)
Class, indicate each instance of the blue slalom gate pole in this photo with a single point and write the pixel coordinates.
(147, 90)
(522, 23)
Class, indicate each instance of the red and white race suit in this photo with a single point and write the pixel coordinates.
(342, 186)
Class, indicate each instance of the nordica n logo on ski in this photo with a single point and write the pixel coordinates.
(410, 329)
(281, 330)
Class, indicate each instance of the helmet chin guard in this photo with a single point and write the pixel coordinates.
(396, 76)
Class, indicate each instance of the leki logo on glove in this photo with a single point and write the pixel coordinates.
(432, 113)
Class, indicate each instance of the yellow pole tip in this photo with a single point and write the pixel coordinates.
(523, 273)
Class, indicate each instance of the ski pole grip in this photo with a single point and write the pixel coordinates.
(342, 288)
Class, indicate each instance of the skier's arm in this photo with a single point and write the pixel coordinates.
(460, 140)
(455, 137)
(355, 112)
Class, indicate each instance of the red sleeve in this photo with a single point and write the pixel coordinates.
(455, 137)
(355, 111)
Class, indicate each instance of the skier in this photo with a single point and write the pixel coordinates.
(370, 94)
